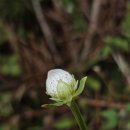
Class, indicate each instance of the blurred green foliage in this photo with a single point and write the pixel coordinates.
(93, 83)
(6, 104)
(117, 43)
(125, 26)
(64, 124)
(127, 108)
(79, 24)
(16, 10)
(3, 37)
(9, 65)
(121, 42)
(111, 119)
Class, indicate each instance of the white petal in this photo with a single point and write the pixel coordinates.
(60, 74)
(51, 84)
(53, 77)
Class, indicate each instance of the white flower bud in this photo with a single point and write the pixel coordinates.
(60, 84)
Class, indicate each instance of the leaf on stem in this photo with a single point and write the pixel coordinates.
(53, 105)
(81, 86)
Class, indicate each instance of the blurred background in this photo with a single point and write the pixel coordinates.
(84, 37)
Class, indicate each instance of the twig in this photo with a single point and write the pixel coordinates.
(103, 103)
(45, 29)
(83, 6)
(122, 64)
(10, 34)
(42, 48)
(92, 28)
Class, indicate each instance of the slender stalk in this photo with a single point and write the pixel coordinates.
(76, 112)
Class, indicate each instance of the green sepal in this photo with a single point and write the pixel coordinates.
(57, 104)
(81, 87)
(63, 90)
(56, 99)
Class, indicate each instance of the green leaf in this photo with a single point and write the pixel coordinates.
(10, 65)
(81, 86)
(106, 51)
(125, 25)
(127, 107)
(64, 123)
(118, 43)
(111, 119)
(35, 128)
(57, 104)
(2, 126)
(93, 83)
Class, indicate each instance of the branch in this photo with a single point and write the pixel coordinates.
(103, 103)
(92, 28)
(122, 64)
(83, 6)
(45, 29)
(11, 36)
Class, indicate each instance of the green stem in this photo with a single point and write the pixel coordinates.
(76, 112)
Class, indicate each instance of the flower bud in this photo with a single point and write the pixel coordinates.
(60, 84)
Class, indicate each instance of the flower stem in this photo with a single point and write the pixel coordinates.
(76, 112)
